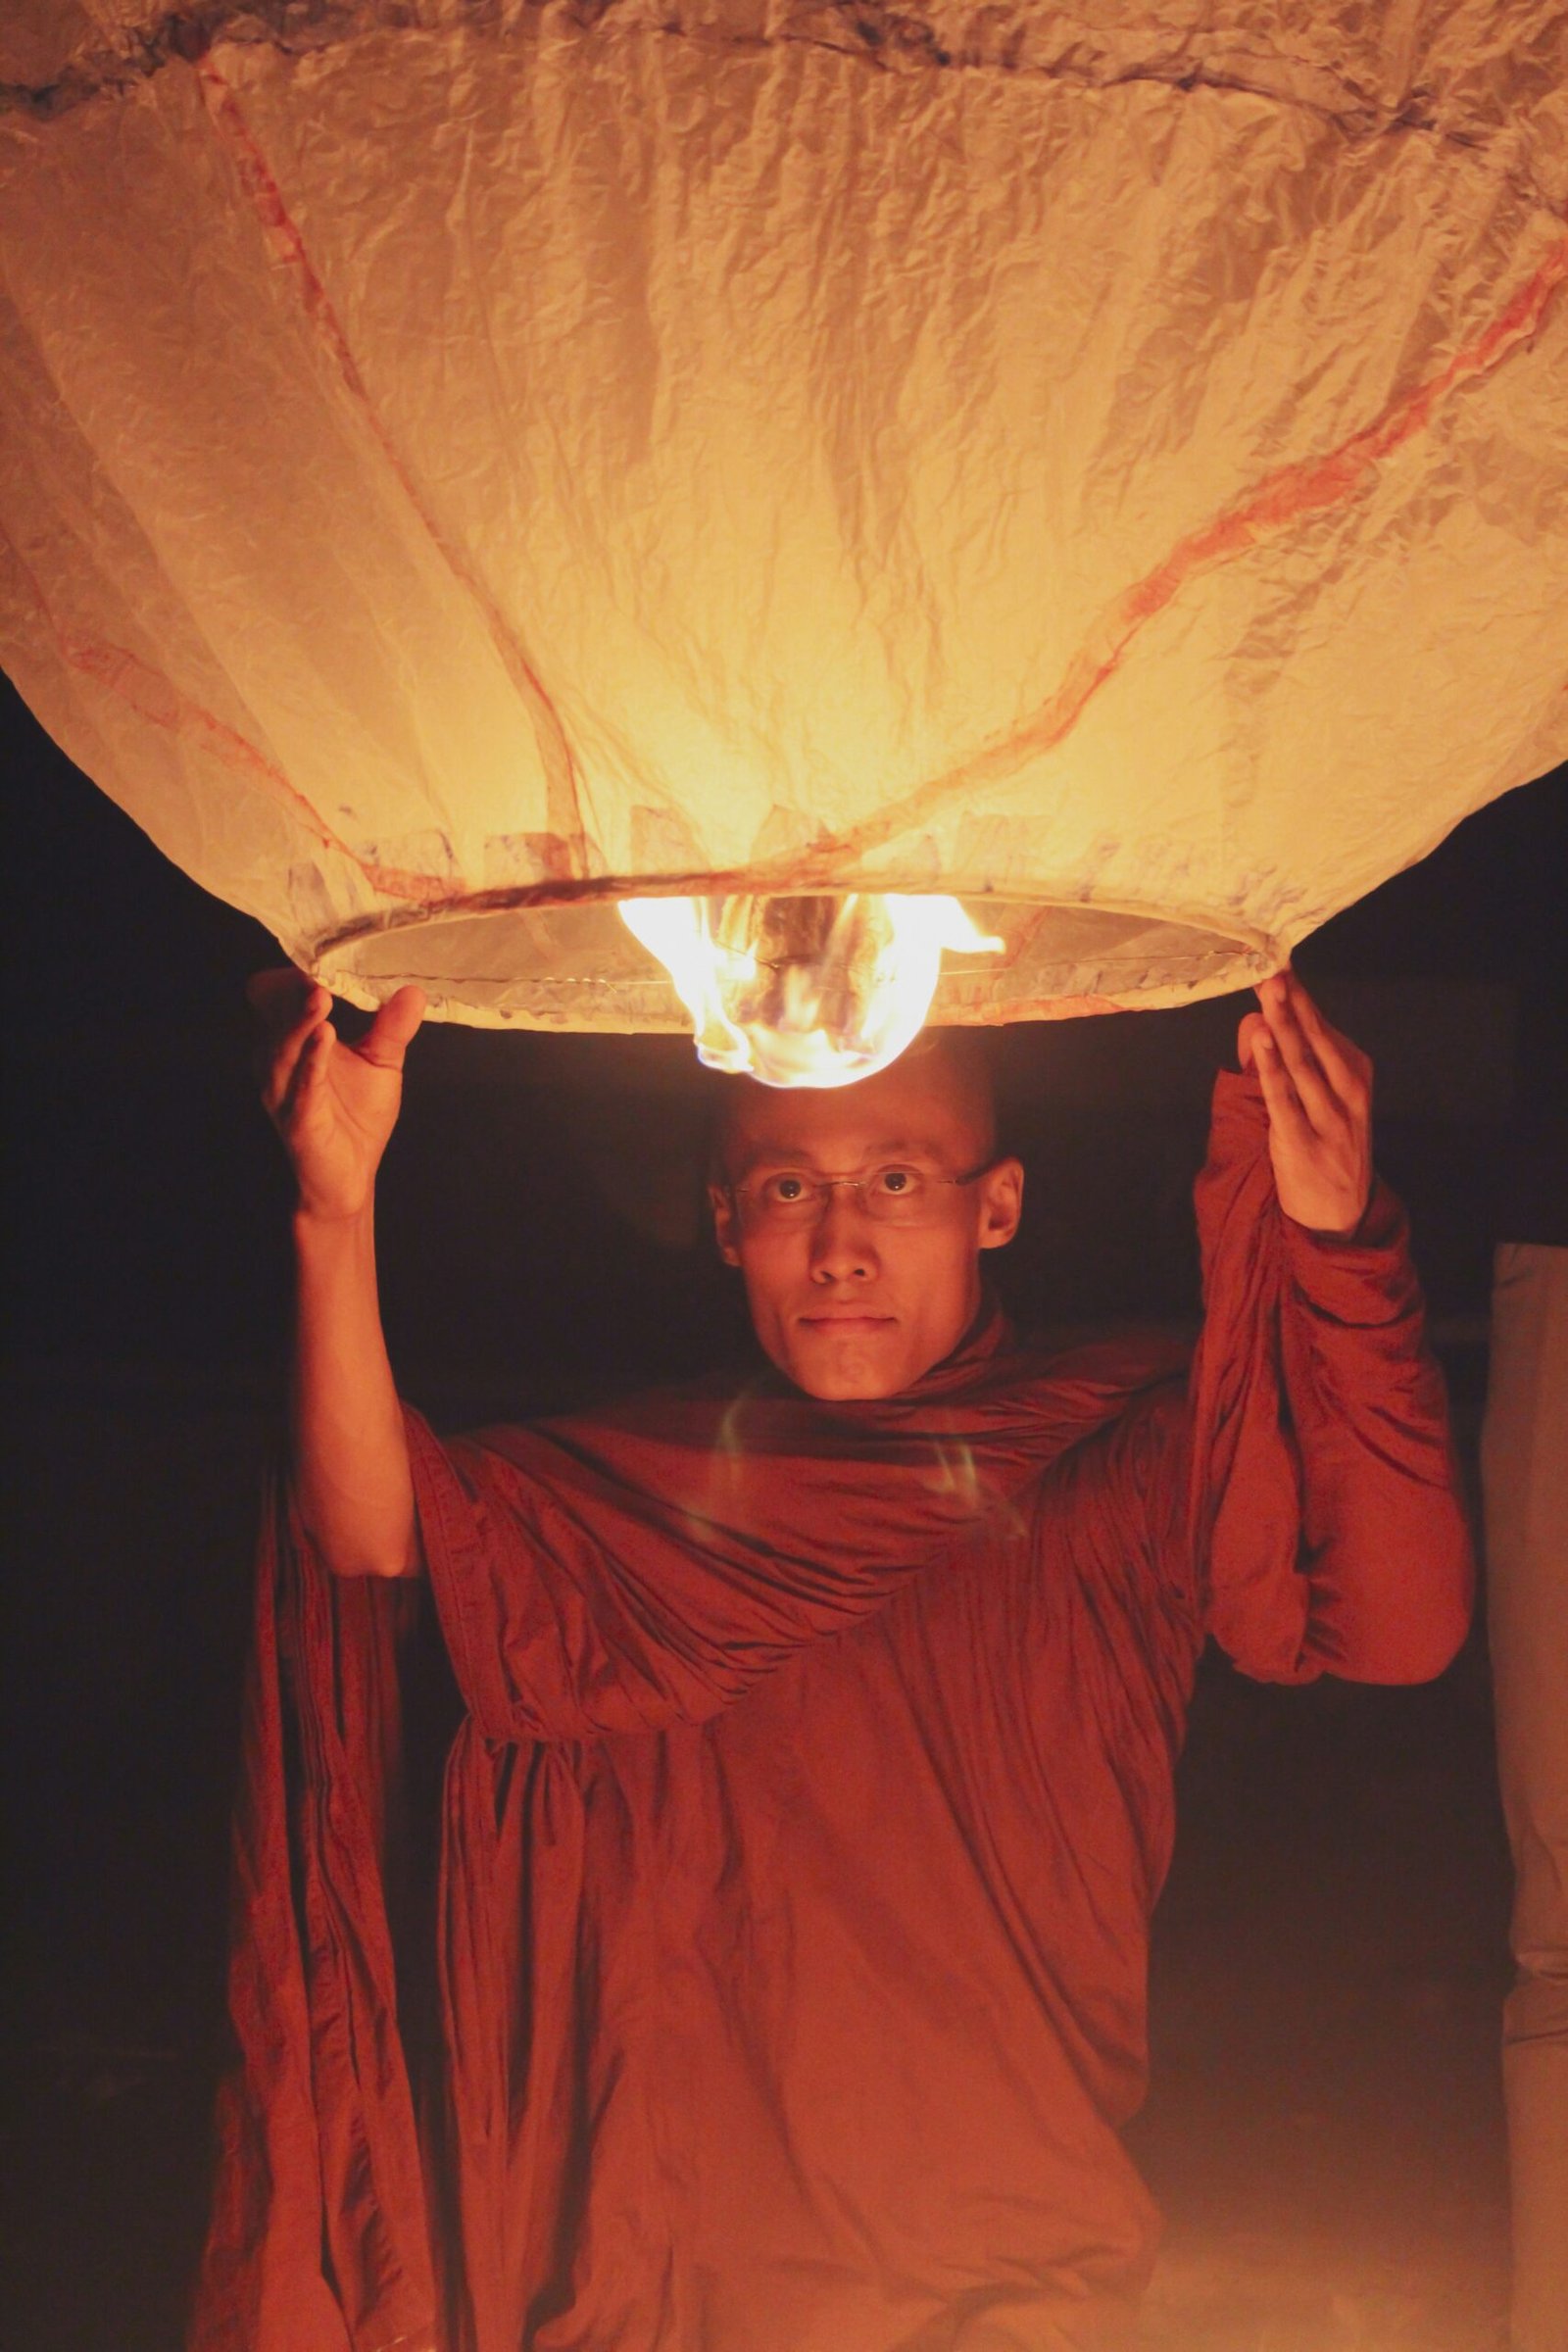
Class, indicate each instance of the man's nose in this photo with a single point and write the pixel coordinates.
(843, 1246)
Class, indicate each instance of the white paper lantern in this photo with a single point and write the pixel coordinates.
(464, 466)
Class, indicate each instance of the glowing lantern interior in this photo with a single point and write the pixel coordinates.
(806, 990)
(461, 469)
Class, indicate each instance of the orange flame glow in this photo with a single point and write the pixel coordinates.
(803, 991)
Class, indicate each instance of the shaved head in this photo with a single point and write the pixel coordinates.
(951, 1065)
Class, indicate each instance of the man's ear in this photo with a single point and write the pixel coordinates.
(726, 1223)
(1000, 1191)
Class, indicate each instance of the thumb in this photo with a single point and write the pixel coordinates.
(386, 1041)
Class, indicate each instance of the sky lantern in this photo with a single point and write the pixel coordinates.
(1069, 503)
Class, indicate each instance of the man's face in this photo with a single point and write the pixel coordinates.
(847, 1303)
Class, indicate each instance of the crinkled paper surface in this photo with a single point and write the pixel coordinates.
(462, 462)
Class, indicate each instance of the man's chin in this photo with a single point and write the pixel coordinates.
(838, 1368)
(845, 1388)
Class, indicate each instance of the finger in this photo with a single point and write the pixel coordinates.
(387, 1039)
(278, 998)
(1247, 1036)
(278, 1062)
(306, 1073)
(1343, 1062)
(1280, 1097)
(1317, 1098)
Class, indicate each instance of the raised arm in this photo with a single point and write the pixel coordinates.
(336, 1105)
(1335, 1536)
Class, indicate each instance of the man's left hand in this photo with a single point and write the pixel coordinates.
(1317, 1087)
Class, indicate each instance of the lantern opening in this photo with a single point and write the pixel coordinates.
(807, 990)
(564, 959)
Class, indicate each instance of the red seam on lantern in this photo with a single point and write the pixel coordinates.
(561, 784)
(1310, 486)
(154, 697)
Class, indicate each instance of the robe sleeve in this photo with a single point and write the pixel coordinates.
(318, 2239)
(1324, 1527)
(546, 1640)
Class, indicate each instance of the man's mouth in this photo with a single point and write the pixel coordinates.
(847, 1321)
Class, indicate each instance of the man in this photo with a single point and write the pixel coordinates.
(814, 1791)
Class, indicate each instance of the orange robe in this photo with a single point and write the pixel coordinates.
(802, 1835)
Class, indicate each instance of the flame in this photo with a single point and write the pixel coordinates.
(803, 991)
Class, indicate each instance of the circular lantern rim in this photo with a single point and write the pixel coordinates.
(1114, 955)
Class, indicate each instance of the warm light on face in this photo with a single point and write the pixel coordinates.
(803, 991)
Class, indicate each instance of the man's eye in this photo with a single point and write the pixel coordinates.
(786, 1191)
(896, 1183)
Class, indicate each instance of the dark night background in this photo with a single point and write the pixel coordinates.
(1324, 2128)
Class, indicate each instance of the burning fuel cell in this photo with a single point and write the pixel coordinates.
(806, 990)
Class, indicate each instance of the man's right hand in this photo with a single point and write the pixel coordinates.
(334, 1105)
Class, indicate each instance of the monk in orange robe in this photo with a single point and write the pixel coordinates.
(813, 1789)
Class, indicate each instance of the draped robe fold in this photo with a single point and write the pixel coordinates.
(800, 1840)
